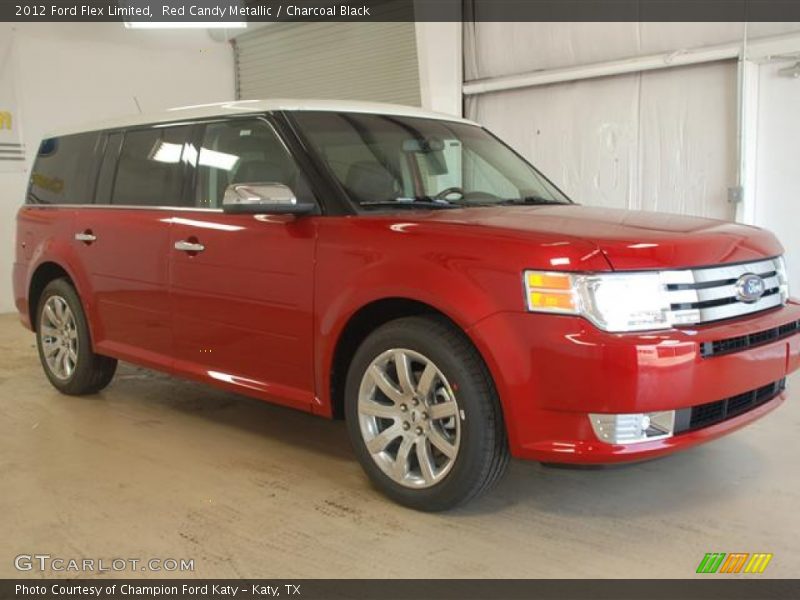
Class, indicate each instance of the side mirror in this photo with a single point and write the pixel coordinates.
(268, 198)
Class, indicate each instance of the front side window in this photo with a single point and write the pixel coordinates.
(387, 161)
(243, 151)
(151, 166)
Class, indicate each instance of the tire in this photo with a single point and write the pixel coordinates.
(65, 347)
(439, 440)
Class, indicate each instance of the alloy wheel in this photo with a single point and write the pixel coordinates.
(409, 418)
(59, 336)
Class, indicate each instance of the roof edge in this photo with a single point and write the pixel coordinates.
(243, 107)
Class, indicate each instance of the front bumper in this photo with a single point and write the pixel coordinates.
(552, 371)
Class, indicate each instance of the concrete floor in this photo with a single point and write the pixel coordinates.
(157, 467)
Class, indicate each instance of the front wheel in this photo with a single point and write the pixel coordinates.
(423, 414)
(64, 344)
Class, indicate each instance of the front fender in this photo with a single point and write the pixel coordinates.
(451, 292)
(464, 272)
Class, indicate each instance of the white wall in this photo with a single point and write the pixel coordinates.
(76, 73)
(661, 140)
(513, 48)
(440, 56)
(777, 198)
(665, 139)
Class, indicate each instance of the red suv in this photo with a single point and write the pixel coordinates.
(406, 271)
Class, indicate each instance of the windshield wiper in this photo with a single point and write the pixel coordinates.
(409, 203)
(530, 201)
(461, 203)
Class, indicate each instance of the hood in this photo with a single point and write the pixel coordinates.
(629, 239)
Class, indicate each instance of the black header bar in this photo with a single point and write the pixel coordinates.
(220, 11)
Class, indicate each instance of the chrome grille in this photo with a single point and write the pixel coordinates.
(709, 294)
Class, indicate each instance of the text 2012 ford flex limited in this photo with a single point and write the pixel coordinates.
(405, 271)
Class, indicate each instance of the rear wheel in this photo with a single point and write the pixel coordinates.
(65, 348)
(423, 415)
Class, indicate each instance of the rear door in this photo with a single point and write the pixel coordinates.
(241, 286)
(124, 241)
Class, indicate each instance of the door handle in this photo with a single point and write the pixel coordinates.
(185, 246)
(85, 236)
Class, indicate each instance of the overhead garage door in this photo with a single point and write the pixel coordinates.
(347, 61)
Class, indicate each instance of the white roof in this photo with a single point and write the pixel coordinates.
(241, 107)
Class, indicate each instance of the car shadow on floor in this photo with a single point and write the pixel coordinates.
(286, 425)
(656, 487)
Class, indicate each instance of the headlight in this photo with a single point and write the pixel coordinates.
(612, 301)
(783, 279)
(622, 302)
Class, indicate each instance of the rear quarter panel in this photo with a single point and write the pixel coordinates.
(44, 235)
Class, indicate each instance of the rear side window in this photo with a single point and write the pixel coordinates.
(64, 170)
(108, 168)
(150, 167)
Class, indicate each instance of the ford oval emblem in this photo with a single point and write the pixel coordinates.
(749, 288)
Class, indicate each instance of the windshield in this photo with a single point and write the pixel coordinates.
(387, 161)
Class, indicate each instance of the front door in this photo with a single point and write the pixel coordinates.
(241, 286)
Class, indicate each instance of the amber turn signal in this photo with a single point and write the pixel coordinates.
(549, 291)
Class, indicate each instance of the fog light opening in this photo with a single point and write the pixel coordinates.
(633, 428)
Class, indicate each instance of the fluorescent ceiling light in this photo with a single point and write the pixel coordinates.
(185, 25)
(217, 160)
(190, 154)
(166, 153)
